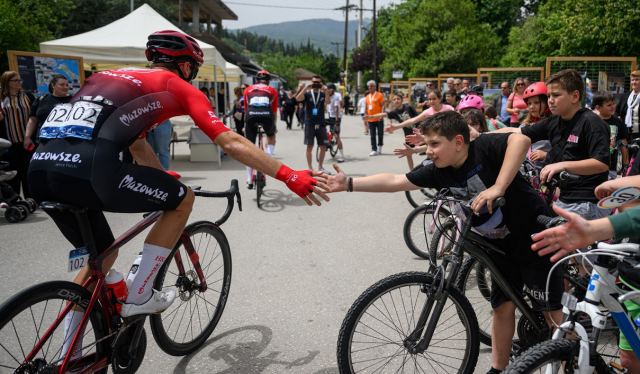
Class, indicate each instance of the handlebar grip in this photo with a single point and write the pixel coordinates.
(499, 202)
(549, 222)
(565, 176)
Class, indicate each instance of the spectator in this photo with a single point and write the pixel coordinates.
(361, 112)
(58, 93)
(492, 119)
(205, 91)
(450, 84)
(604, 105)
(500, 103)
(629, 106)
(313, 98)
(451, 97)
(160, 140)
(588, 93)
(457, 85)
(535, 96)
(515, 103)
(221, 100)
(334, 119)
(347, 104)
(238, 109)
(466, 86)
(289, 108)
(374, 104)
(15, 107)
(282, 96)
(475, 119)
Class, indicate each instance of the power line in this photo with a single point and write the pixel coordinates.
(276, 6)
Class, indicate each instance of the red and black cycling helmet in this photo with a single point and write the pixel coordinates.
(170, 46)
(263, 75)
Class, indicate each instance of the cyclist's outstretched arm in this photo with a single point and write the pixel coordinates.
(305, 183)
(506, 130)
(384, 182)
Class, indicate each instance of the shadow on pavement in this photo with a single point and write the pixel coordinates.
(241, 350)
(273, 201)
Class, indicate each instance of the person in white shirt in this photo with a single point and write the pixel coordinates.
(334, 112)
(361, 109)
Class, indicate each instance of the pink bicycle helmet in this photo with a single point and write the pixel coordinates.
(471, 101)
(535, 89)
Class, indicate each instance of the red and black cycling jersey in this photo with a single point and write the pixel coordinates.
(260, 98)
(122, 105)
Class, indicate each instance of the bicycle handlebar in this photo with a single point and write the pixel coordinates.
(549, 222)
(229, 194)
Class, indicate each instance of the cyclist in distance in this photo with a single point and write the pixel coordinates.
(78, 161)
(260, 107)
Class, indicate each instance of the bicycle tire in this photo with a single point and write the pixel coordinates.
(333, 148)
(26, 307)
(413, 230)
(556, 352)
(260, 183)
(366, 308)
(200, 233)
(441, 243)
(417, 197)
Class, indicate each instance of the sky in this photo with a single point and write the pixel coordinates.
(259, 12)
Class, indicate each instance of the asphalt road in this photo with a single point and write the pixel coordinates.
(296, 269)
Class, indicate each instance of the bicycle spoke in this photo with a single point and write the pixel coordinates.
(19, 342)
(46, 354)
(12, 356)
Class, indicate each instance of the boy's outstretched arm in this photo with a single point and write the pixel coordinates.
(384, 182)
(517, 147)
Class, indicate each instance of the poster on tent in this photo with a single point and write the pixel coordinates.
(36, 70)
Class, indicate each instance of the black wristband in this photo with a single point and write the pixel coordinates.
(349, 184)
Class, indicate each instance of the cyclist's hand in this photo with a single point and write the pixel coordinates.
(538, 155)
(486, 197)
(337, 182)
(550, 170)
(390, 129)
(563, 239)
(305, 183)
(402, 152)
(28, 144)
(174, 174)
(415, 139)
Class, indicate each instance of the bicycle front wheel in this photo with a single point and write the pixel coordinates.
(417, 197)
(260, 183)
(25, 321)
(184, 326)
(372, 335)
(561, 356)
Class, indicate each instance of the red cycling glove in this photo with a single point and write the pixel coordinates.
(172, 173)
(299, 181)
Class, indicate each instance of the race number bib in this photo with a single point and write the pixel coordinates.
(620, 197)
(75, 120)
(78, 258)
(259, 101)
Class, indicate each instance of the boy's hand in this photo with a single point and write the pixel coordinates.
(415, 139)
(402, 152)
(550, 170)
(486, 197)
(538, 155)
(337, 182)
(562, 239)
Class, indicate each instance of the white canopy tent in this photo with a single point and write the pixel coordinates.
(123, 42)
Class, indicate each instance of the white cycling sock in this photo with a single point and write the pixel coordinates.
(71, 323)
(153, 257)
(270, 149)
(249, 175)
(341, 152)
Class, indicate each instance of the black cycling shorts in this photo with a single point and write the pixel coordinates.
(334, 124)
(264, 118)
(526, 272)
(89, 174)
(317, 132)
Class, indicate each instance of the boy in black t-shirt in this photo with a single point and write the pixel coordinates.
(488, 168)
(604, 105)
(579, 144)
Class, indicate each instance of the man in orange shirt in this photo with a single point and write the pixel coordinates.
(374, 104)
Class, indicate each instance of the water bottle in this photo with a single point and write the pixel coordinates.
(133, 270)
(117, 287)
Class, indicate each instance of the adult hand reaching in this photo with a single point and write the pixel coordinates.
(337, 182)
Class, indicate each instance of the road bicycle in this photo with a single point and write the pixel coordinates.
(572, 348)
(32, 335)
(331, 143)
(258, 179)
(421, 321)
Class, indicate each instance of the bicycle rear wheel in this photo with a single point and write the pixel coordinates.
(373, 333)
(26, 317)
(417, 197)
(260, 184)
(419, 229)
(185, 325)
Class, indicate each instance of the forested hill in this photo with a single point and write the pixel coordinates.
(318, 32)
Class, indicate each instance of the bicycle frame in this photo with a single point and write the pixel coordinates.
(96, 278)
(600, 290)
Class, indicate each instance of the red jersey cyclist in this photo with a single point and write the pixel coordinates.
(260, 107)
(78, 161)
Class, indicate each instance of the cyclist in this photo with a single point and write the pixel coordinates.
(488, 167)
(334, 113)
(78, 162)
(260, 107)
(578, 233)
(535, 96)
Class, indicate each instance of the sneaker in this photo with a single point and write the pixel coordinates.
(340, 159)
(250, 186)
(373, 153)
(158, 303)
(379, 149)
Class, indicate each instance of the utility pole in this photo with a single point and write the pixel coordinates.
(358, 43)
(346, 40)
(375, 44)
(131, 2)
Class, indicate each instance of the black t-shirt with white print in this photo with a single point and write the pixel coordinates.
(583, 137)
(479, 172)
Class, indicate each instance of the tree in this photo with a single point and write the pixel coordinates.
(575, 27)
(427, 37)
